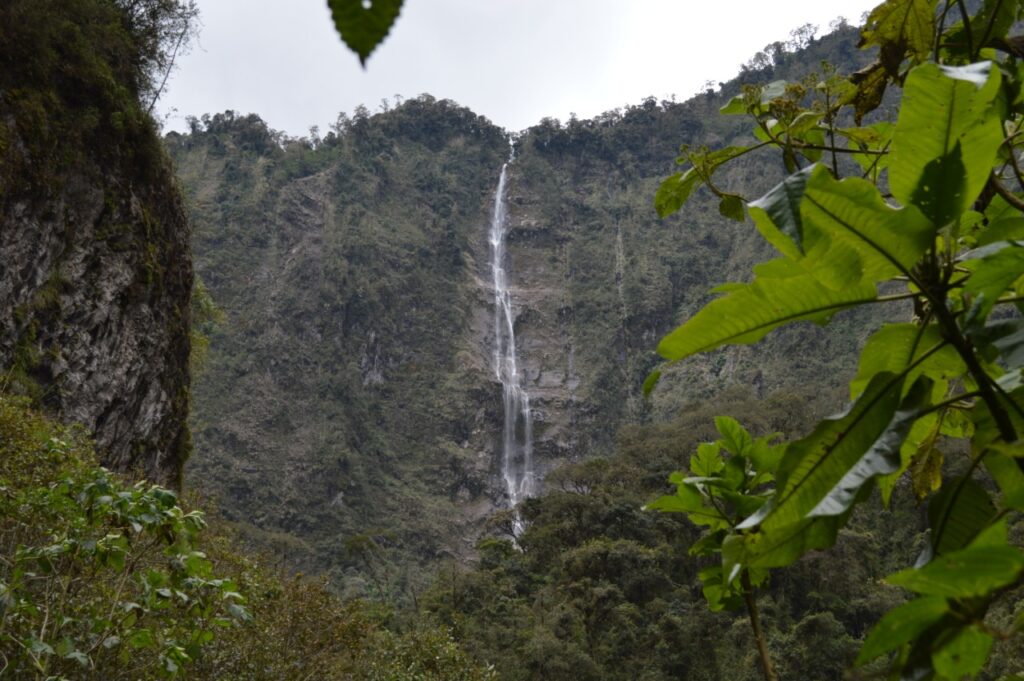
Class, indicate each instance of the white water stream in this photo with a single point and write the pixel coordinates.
(517, 431)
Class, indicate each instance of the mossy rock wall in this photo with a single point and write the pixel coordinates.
(95, 266)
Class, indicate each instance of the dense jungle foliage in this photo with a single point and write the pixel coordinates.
(599, 588)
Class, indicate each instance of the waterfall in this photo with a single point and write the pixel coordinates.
(516, 434)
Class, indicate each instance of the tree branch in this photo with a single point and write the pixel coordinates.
(1007, 195)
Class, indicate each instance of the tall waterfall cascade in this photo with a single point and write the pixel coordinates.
(517, 430)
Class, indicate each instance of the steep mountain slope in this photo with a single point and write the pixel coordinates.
(340, 392)
(95, 266)
(349, 412)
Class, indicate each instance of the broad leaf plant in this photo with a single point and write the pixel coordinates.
(925, 207)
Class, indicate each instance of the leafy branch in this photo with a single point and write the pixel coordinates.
(948, 232)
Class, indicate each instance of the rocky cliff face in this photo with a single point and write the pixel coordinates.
(598, 279)
(95, 266)
(94, 309)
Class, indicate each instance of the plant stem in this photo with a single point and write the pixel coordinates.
(967, 28)
(832, 135)
(986, 390)
(1007, 195)
(755, 624)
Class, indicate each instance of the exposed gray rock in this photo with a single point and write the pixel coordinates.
(95, 288)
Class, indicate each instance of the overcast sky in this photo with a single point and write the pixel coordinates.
(514, 61)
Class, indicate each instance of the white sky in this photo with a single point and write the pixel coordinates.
(514, 61)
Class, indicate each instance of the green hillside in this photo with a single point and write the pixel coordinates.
(348, 414)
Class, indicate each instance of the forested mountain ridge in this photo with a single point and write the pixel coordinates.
(349, 410)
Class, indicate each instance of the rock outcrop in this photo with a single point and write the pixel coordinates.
(95, 264)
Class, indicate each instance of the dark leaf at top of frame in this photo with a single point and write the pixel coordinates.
(363, 24)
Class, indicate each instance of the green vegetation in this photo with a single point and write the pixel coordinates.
(599, 588)
(206, 316)
(97, 575)
(952, 373)
(102, 578)
(73, 75)
(347, 412)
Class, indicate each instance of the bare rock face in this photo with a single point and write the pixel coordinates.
(94, 314)
(95, 266)
(536, 270)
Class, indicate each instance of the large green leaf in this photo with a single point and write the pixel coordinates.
(689, 501)
(707, 460)
(946, 138)
(731, 206)
(882, 458)
(963, 655)
(844, 228)
(852, 212)
(812, 467)
(995, 268)
(1005, 223)
(685, 500)
(905, 24)
(957, 514)
(674, 191)
(777, 214)
(779, 547)
(749, 311)
(735, 437)
(975, 571)
(1001, 339)
(363, 24)
(1005, 470)
(902, 625)
(895, 347)
(766, 456)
